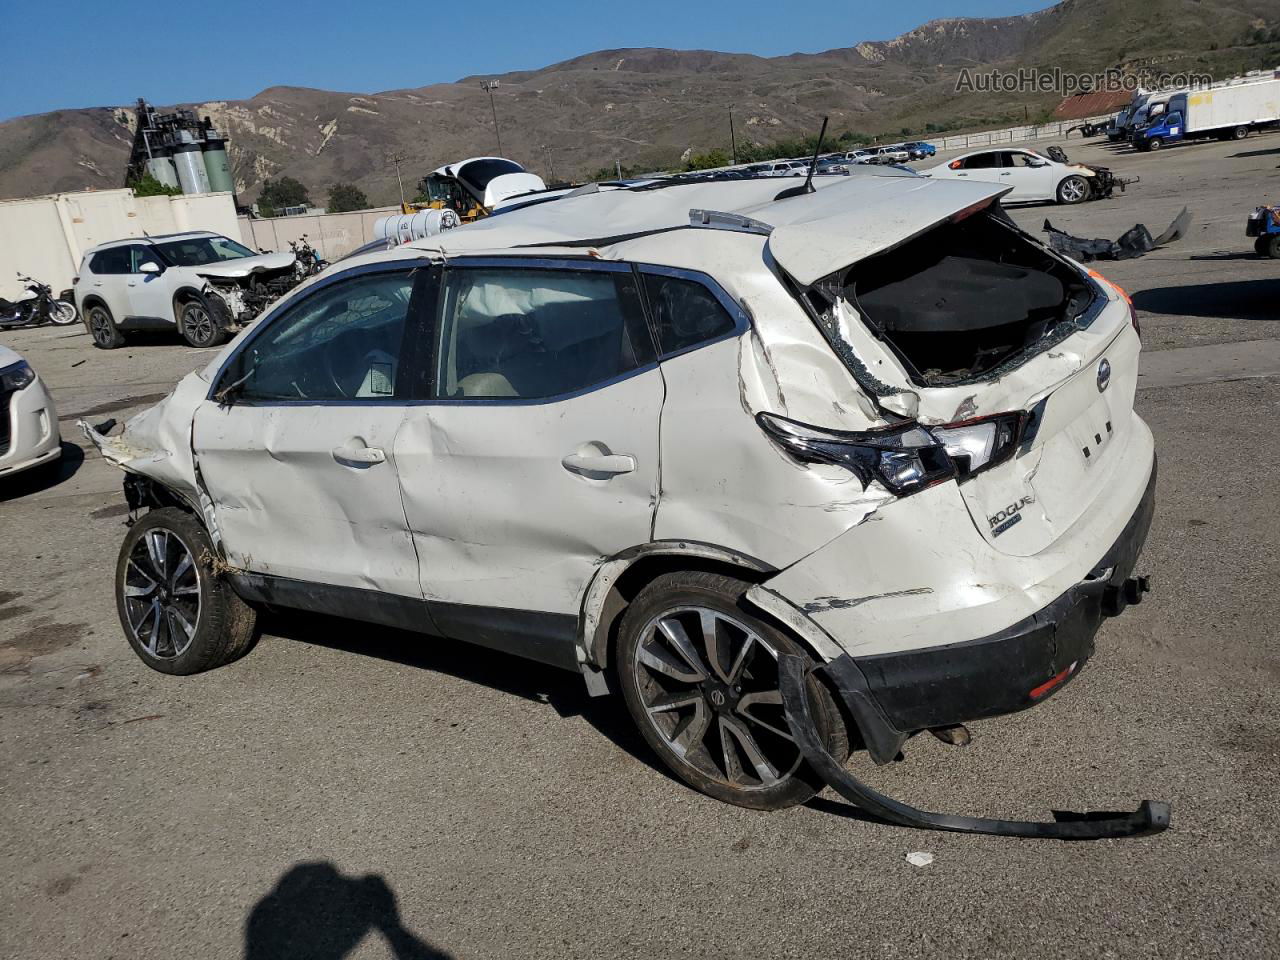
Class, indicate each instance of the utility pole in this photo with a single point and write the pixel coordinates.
(397, 159)
(617, 167)
(490, 86)
(551, 164)
(733, 141)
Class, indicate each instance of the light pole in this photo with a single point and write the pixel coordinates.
(490, 86)
(733, 141)
(398, 159)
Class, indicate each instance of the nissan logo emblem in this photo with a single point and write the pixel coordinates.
(1104, 374)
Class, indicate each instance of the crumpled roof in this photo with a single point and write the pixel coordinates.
(843, 221)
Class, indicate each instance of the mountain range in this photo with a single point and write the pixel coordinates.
(645, 108)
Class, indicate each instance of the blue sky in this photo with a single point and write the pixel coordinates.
(90, 52)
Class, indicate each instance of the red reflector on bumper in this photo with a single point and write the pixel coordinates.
(1048, 685)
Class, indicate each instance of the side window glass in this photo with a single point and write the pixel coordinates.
(340, 343)
(983, 161)
(685, 313)
(138, 256)
(533, 334)
(111, 261)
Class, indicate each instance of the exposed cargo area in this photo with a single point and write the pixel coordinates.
(965, 297)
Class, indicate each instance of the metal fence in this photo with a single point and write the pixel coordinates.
(1044, 131)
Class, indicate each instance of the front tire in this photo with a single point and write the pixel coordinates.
(63, 313)
(1155, 143)
(699, 675)
(198, 326)
(178, 614)
(102, 327)
(1073, 189)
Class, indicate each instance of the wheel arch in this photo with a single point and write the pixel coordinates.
(619, 578)
(90, 300)
(183, 295)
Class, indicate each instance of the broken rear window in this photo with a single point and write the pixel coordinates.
(965, 297)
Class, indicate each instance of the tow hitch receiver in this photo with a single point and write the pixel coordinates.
(1150, 817)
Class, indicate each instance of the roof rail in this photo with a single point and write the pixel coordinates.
(719, 220)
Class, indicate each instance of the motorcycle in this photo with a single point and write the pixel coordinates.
(308, 262)
(39, 308)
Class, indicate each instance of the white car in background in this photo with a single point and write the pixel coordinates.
(1031, 175)
(28, 420)
(657, 466)
(890, 155)
(199, 283)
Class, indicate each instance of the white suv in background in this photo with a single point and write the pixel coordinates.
(794, 473)
(201, 283)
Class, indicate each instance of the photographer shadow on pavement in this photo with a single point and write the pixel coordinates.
(316, 913)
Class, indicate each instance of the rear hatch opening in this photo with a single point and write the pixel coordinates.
(967, 297)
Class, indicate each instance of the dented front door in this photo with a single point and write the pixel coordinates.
(296, 447)
(535, 455)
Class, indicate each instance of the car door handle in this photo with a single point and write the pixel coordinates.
(355, 453)
(1006, 174)
(599, 466)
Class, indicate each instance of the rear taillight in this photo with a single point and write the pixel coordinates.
(1133, 314)
(907, 458)
(975, 445)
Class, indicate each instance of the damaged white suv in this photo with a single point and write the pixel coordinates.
(796, 475)
(202, 284)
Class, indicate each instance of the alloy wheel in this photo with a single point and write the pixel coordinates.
(1073, 190)
(709, 688)
(162, 594)
(100, 325)
(198, 324)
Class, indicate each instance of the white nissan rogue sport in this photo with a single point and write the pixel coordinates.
(796, 475)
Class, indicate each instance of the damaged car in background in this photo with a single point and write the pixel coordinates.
(201, 284)
(1031, 176)
(801, 474)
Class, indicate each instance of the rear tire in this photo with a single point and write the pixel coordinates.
(1239, 133)
(1073, 189)
(1268, 246)
(179, 615)
(102, 327)
(198, 325)
(713, 713)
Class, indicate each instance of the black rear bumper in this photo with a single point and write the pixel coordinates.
(1008, 671)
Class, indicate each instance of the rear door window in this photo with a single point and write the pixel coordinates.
(686, 313)
(111, 261)
(982, 161)
(532, 333)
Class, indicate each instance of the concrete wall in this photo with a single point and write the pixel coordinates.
(46, 237)
(334, 235)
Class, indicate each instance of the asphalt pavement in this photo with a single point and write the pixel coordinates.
(348, 790)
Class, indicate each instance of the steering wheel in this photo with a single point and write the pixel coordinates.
(337, 363)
